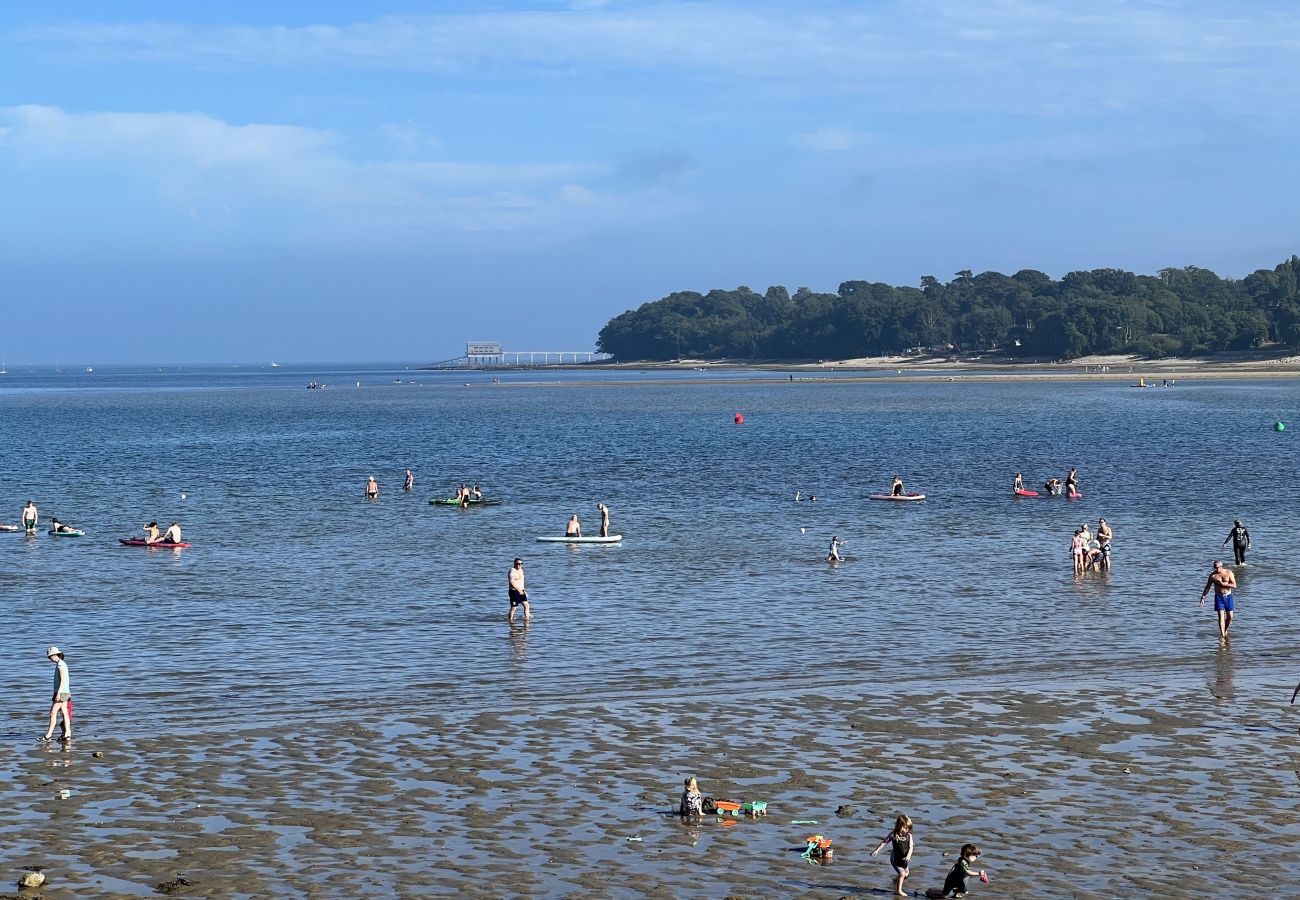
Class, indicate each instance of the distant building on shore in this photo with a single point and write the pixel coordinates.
(484, 353)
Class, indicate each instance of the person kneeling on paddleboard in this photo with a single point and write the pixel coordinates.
(150, 532)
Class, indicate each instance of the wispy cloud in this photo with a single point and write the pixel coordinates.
(830, 139)
(209, 169)
(1035, 57)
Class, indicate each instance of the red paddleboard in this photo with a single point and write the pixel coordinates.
(141, 542)
(1023, 493)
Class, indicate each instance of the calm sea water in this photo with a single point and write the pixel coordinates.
(301, 598)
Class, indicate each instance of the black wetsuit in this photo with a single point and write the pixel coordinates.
(1240, 538)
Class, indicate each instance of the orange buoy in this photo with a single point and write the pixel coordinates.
(740, 420)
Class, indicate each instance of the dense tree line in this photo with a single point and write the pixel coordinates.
(1177, 312)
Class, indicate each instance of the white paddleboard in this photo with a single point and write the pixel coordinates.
(585, 539)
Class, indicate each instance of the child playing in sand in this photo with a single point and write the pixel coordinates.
(692, 800)
(956, 882)
(900, 854)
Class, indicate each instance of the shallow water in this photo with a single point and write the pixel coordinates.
(302, 603)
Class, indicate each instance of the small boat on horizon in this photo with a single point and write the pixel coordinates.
(274, 364)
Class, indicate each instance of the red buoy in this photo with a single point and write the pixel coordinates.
(740, 420)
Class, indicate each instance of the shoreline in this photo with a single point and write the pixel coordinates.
(913, 369)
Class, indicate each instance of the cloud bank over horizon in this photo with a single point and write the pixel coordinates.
(562, 163)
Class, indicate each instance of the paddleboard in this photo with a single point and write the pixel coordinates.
(585, 539)
(11, 528)
(1026, 493)
(72, 532)
(452, 501)
(141, 542)
(896, 497)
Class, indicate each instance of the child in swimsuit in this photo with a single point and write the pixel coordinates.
(692, 804)
(900, 853)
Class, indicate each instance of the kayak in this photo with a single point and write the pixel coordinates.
(141, 542)
(452, 501)
(1023, 493)
(71, 532)
(896, 497)
(585, 539)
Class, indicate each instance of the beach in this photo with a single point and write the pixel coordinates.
(321, 697)
(1109, 787)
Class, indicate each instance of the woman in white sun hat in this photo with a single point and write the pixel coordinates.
(61, 702)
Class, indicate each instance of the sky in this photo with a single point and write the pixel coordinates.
(349, 181)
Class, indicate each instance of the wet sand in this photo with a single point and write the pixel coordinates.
(1171, 787)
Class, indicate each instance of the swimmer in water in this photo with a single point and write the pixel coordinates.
(834, 554)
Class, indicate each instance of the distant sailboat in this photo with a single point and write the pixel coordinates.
(274, 364)
(89, 370)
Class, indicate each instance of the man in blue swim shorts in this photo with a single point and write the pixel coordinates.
(1223, 581)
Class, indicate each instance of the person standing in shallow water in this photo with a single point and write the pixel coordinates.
(61, 702)
(518, 593)
(408, 483)
(1223, 582)
(1240, 538)
(372, 489)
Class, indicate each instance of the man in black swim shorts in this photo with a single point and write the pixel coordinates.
(518, 596)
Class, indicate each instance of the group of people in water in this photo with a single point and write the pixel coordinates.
(31, 518)
(573, 528)
(1089, 552)
(1054, 487)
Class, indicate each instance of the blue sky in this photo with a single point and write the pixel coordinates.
(359, 181)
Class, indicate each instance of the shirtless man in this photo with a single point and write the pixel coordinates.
(573, 529)
(30, 517)
(604, 519)
(372, 489)
(1104, 536)
(1223, 581)
(172, 535)
(518, 596)
(408, 483)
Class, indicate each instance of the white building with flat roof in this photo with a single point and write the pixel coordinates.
(484, 353)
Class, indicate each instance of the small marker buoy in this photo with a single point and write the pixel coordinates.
(803, 530)
(740, 420)
(1279, 426)
(182, 495)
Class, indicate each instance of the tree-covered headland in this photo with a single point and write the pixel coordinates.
(1186, 311)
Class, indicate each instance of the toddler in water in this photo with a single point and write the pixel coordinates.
(692, 800)
(956, 882)
(900, 854)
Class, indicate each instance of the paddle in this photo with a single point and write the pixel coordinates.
(1295, 692)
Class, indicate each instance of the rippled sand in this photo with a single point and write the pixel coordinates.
(1104, 789)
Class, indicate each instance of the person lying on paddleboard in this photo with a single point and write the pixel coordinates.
(57, 526)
